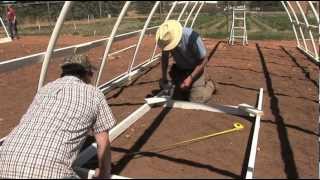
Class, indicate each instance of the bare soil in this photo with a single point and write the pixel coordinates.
(287, 147)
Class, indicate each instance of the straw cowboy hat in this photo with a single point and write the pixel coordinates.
(169, 35)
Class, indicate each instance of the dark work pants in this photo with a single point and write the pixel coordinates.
(13, 30)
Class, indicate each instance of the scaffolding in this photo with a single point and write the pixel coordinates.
(238, 26)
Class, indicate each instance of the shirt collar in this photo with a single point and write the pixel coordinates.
(72, 78)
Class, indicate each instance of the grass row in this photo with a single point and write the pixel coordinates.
(215, 26)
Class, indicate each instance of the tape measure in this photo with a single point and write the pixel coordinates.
(236, 127)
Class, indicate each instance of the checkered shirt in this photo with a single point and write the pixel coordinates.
(49, 136)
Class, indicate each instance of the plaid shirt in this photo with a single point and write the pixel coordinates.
(49, 136)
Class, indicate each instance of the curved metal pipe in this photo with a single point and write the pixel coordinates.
(55, 34)
(310, 32)
(195, 16)
(298, 23)
(112, 35)
(293, 26)
(193, 8)
(171, 10)
(315, 12)
(4, 27)
(183, 10)
(142, 35)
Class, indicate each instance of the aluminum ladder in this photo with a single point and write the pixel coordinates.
(239, 19)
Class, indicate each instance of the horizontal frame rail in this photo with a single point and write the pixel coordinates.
(254, 144)
(17, 63)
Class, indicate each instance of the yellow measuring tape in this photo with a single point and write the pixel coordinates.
(237, 127)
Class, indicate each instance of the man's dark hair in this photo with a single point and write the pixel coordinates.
(78, 65)
(74, 70)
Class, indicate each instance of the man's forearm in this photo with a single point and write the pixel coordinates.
(104, 155)
(104, 158)
(199, 69)
(164, 66)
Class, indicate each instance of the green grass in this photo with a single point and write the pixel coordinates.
(203, 19)
(213, 25)
(270, 28)
(218, 35)
(278, 22)
(271, 36)
(261, 26)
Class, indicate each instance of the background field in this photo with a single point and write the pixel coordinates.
(259, 27)
(265, 20)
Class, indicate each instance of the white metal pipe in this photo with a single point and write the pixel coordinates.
(112, 35)
(171, 10)
(61, 52)
(291, 20)
(227, 109)
(315, 51)
(309, 54)
(307, 51)
(122, 50)
(115, 132)
(126, 123)
(16, 63)
(13, 64)
(253, 149)
(5, 29)
(245, 27)
(231, 37)
(195, 16)
(305, 25)
(151, 28)
(315, 13)
(298, 22)
(135, 32)
(55, 34)
(183, 10)
(142, 35)
(117, 81)
(193, 8)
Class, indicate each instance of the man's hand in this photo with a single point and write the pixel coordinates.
(97, 173)
(186, 84)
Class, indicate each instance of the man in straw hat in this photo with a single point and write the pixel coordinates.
(46, 142)
(189, 54)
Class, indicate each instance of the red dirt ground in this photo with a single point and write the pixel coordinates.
(287, 145)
